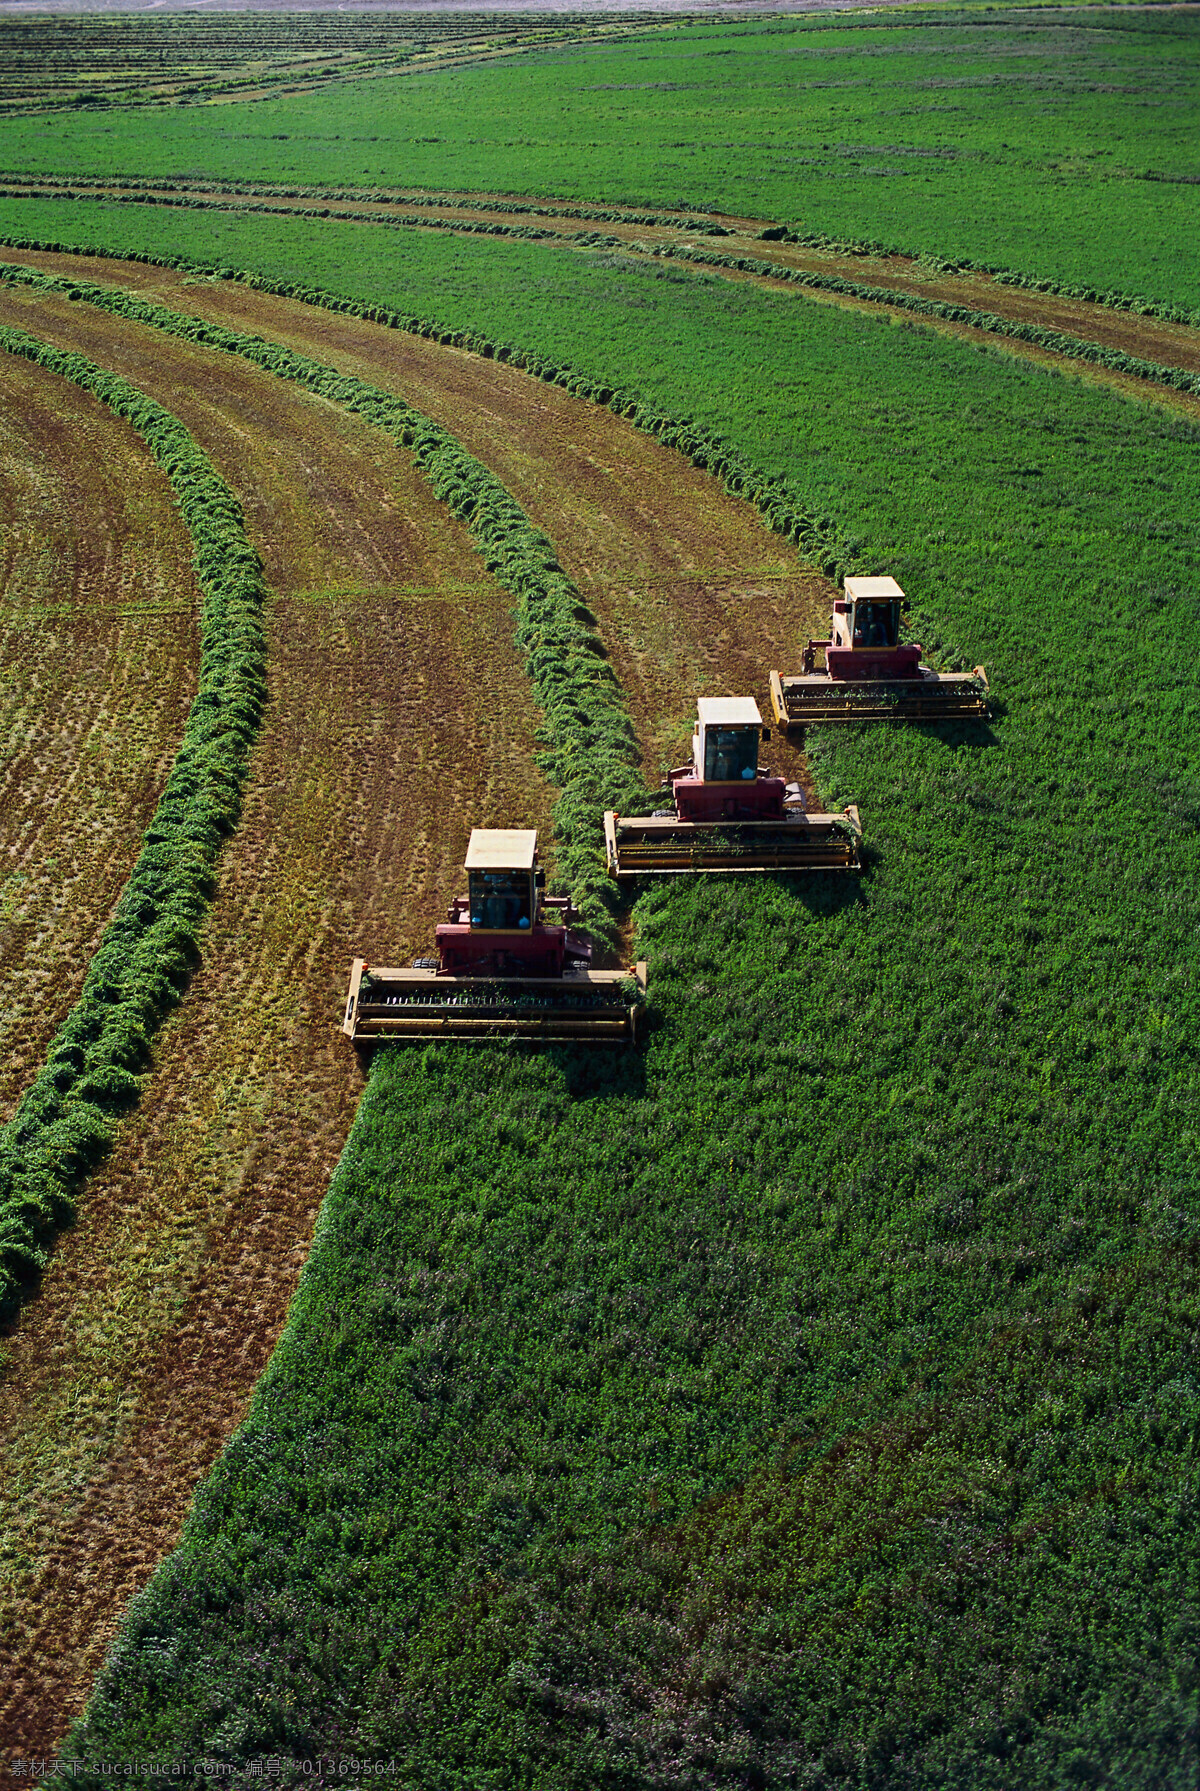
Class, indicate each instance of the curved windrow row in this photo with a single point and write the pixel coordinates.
(777, 503)
(587, 736)
(1054, 341)
(64, 1122)
(1072, 348)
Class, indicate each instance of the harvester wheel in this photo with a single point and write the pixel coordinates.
(426, 963)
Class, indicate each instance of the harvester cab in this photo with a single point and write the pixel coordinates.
(867, 620)
(725, 739)
(723, 780)
(507, 962)
(498, 897)
(730, 813)
(870, 673)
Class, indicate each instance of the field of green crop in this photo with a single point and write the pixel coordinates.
(1057, 141)
(811, 1398)
(888, 1189)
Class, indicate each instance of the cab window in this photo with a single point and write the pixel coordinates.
(500, 899)
(876, 624)
(730, 754)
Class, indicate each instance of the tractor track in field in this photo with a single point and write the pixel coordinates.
(99, 645)
(398, 714)
(566, 222)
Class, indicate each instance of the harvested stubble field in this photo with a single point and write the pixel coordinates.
(98, 644)
(692, 593)
(398, 718)
(398, 714)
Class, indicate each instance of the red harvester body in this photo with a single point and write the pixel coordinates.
(730, 814)
(507, 964)
(870, 673)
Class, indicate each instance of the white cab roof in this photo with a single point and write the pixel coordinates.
(729, 712)
(872, 590)
(502, 849)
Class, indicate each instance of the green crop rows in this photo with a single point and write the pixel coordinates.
(811, 1398)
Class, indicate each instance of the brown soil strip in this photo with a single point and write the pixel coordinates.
(399, 715)
(694, 595)
(1170, 344)
(99, 644)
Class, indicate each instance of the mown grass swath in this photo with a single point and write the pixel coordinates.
(587, 735)
(813, 1397)
(64, 1122)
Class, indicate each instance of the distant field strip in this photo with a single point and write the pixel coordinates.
(65, 63)
(1114, 332)
(989, 134)
(99, 645)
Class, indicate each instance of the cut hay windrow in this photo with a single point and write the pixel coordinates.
(1072, 348)
(64, 1122)
(776, 502)
(232, 196)
(589, 746)
(1053, 341)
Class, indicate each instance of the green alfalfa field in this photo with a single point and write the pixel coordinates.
(811, 1397)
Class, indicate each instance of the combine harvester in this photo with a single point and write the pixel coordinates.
(508, 965)
(730, 814)
(870, 674)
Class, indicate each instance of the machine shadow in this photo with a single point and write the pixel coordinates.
(601, 1072)
(607, 1071)
(949, 731)
(969, 731)
(824, 892)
